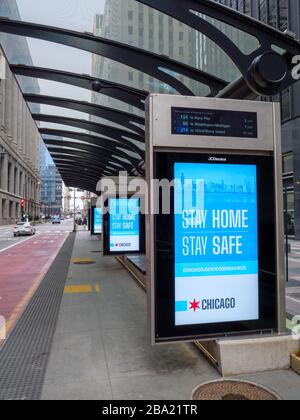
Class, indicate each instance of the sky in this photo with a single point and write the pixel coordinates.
(76, 15)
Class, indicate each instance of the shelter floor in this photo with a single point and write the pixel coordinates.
(101, 346)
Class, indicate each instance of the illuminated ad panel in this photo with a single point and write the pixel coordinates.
(124, 225)
(97, 220)
(216, 243)
(215, 252)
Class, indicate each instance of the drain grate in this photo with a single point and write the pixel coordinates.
(24, 356)
(229, 390)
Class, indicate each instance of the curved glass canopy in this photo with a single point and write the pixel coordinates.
(102, 94)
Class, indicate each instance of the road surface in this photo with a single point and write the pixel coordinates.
(24, 261)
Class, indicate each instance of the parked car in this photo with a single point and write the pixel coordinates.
(56, 220)
(24, 228)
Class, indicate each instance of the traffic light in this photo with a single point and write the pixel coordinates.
(22, 203)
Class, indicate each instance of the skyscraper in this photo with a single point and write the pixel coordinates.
(132, 23)
(17, 50)
(52, 185)
(282, 15)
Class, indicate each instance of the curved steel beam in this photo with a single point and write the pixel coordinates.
(71, 174)
(123, 93)
(123, 136)
(91, 139)
(85, 161)
(74, 174)
(122, 166)
(130, 121)
(69, 145)
(264, 70)
(71, 166)
(74, 183)
(101, 142)
(90, 157)
(78, 162)
(75, 164)
(139, 59)
(98, 151)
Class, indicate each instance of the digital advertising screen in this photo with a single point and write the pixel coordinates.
(215, 253)
(216, 243)
(97, 220)
(124, 227)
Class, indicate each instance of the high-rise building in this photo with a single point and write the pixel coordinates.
(19, 152)
(135, 24)
(283, 15)
(17, 50)
(51, 185)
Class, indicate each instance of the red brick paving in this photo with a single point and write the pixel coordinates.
(22, 268)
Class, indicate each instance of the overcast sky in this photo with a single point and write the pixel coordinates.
(77, 15)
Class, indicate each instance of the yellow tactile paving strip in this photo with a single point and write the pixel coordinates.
(82, 289)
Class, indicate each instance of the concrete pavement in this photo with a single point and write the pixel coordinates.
(101, 346)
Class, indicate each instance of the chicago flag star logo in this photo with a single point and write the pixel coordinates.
(195, 305)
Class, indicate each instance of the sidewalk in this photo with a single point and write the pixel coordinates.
(101, 347)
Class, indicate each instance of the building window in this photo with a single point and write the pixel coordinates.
(130, 30)
(130, 76)
(286, 105)
(130, 15)
(151, 18)
(3, 209)
(288, 163)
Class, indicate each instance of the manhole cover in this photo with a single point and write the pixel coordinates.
(228, 390)
(83, 261)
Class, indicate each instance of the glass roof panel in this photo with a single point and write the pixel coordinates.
(126, 21)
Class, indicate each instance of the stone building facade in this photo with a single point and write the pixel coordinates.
(19, 151)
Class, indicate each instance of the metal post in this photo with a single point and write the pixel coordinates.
(74, 229)
(286, 219)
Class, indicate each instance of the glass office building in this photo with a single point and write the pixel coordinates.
(17, 50)
(283, 15)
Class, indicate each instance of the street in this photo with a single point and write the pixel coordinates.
(7, 238)
(24, 262)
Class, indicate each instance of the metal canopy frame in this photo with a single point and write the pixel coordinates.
(74, 161)
(88, 157)
(89, 151)
(85, 176)
(126, 94)
(96, 151)
(95, 141)
(263, 72)
(119, 137)
(129, 121)
(155, 65)
(256, 68)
